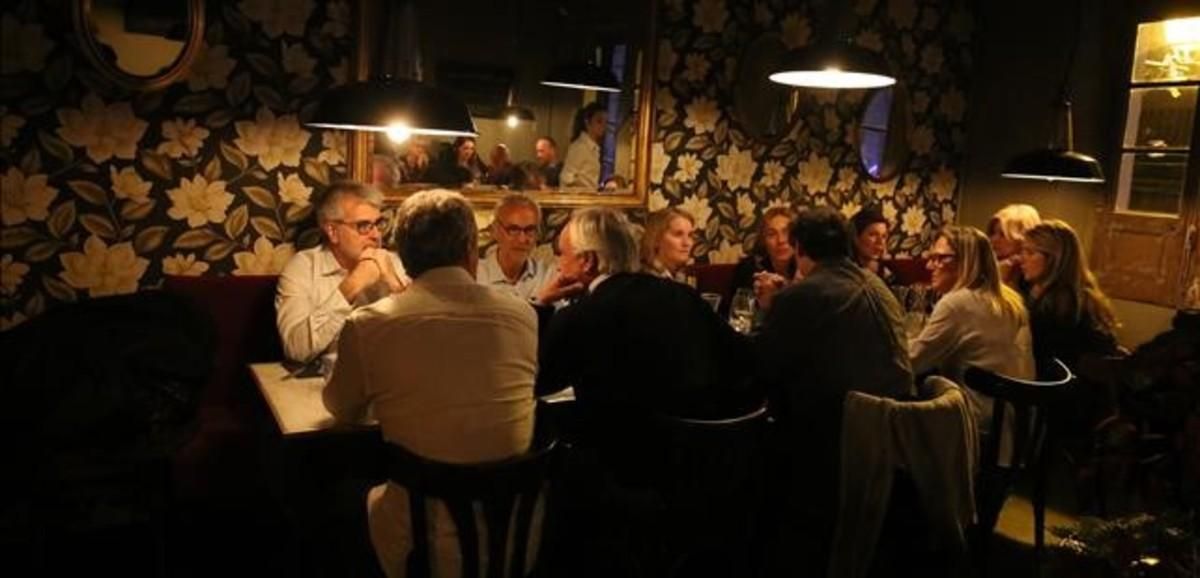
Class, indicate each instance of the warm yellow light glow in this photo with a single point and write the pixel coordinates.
(512, 121)
(398, 132)
(832, 78)
(1183, 31)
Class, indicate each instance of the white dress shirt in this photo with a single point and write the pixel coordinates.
(309, 308)
(582, 165)
(448, 368)
(533, 277)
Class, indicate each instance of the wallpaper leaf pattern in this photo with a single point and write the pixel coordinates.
(105, 190)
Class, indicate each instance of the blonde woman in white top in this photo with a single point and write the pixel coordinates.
(667, 243)
(979, 321)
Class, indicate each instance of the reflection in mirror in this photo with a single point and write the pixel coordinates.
(140, 44)
(766, 110)
(883, 133)
(577, 142)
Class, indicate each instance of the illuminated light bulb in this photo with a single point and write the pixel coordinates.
(398, 132)
(512, 121)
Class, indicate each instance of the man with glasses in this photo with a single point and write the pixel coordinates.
(510, 264)
(319, 287)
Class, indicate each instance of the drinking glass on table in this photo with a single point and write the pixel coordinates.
(713, 300)
(741, 311)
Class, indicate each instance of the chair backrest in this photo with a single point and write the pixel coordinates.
(715, 278)
(909, 271)
(1030, 401)
(498, 486)
(705, 459)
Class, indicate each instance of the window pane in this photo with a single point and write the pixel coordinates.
(1151, 182)
(1167, 51)
(1160, 117)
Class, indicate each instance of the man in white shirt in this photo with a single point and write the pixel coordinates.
(404, 357)
(582, 166)
(319, 287)
(510, 264)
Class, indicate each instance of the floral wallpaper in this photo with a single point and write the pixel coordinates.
(705, 163)
(106, 190)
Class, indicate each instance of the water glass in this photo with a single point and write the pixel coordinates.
(713, 299)
(741, 311)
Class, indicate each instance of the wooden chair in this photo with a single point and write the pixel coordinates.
(501, 488)
(1031, 402)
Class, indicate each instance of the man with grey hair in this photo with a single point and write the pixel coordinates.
(404, 357)
(510, 264)
(635, 344)
(319, 287)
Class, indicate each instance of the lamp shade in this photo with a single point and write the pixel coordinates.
(833, 64)
(390, 104)
(1055, 164)
(582, 76)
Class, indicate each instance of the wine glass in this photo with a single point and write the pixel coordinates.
(741, 310)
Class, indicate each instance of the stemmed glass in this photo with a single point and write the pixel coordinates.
(741, 311)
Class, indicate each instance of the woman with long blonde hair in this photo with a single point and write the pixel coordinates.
(1071, 316)
(979, 321)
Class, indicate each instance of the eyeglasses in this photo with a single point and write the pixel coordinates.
(941, 259)
(363, 227)
(514, 230)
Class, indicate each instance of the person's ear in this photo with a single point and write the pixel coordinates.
(590, 263)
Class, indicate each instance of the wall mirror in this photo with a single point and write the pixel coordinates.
(766, 110)
(494, 55)
(883, 133)
(140, 44)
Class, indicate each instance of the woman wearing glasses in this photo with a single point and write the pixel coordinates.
(978, 321)
(319, 287)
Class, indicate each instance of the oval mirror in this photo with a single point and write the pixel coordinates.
(766, 110)
(140, 44)
(883, 133)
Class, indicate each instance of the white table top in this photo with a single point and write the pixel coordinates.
(295, 401)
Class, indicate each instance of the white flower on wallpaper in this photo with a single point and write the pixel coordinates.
(273, 140)
(702, 115)
(292, 189)
(772, 174)
(736, 168)
(24, 198)
(952, 105)
(745, 204)
(695, 67)
(796, 31)
(210, 68)
(128, 184)
(7, 323)
(698, 208)
(870, 40)
(666, 60)
(655, 201)
(10, 126)
(710, 15)
(687, 166)
(931, 58)
(658, 162)
(850, 209)
(340, 72)
(296, 60)
(199, 201)
(182, 137)
(266, 259)
(183, 264)
(778, 202)
(103, 270)
(914, 220)
(815, 173)
(334, 147)
(726, 252)
(889, 211)
(880, 190)
(278, 16)
(105, 130)
(921, 139)
(11, 274)
(943, 183)
(847, 178)
(903, 12)
(337, 19)
(23, 47)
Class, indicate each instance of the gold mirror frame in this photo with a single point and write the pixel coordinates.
(95, 51)
(359, 142)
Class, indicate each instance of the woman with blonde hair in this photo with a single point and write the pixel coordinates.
(979, 321)
(1006, 230)
(667, 243)
(1071, 316)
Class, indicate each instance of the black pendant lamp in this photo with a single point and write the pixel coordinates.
(582, 76)
(1056, 162)
(399, 105)
(837, 64)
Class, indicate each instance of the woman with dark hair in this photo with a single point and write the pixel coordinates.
(582, 166)
(772, 252)
(870, 241)
(460, 164)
